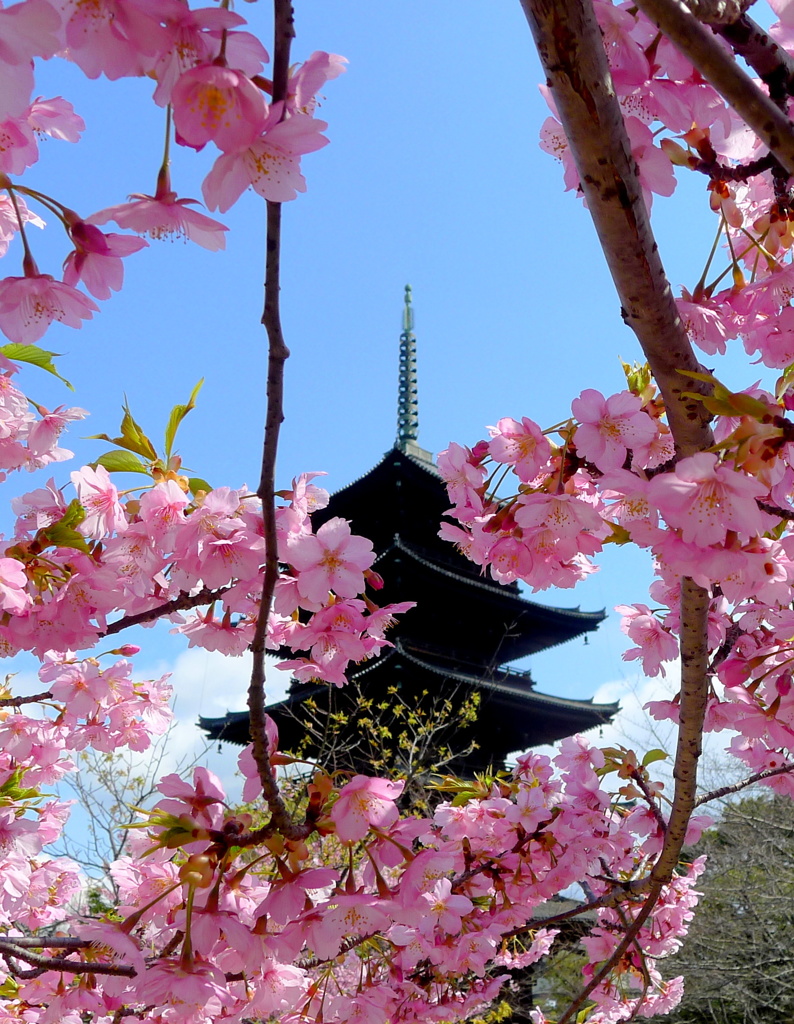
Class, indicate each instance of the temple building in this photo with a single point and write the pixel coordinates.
(459, 640)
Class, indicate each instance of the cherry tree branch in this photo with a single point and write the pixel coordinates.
(17, 702)
(10, 949)
(737, 787)
(181, 603)
(719, 68)
(278, 353)
(718, 12)
(773, 65)
(570, 47)
(653, 806)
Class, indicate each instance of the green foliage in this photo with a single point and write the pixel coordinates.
(736, 961)
(135, 452)
(34, 356)
(410, 738)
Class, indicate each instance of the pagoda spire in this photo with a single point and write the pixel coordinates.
(407, 392)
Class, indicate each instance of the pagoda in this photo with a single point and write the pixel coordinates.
(462, 635)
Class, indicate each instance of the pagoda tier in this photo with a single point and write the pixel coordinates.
(399, 505)
(512, 715)
(464, 629)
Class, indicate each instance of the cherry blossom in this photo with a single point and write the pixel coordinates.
(165, 216)
(218, 104)
(28, 305)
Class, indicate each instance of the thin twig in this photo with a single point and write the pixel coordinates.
(637, 777)
(737, 787)
(181, 603)
(59, 963)
(47, 942)
(278, 353)
(732, 635)
(775, 510)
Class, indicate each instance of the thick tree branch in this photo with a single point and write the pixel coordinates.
(699, 46)
(278, 353)
(718, 12)
(570, 46)
(773, 65)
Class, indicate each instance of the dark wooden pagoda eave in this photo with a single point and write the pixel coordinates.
(515, 716)
(523, 627)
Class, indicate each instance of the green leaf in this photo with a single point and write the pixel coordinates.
(133, 437)
(119, 461)
(654, 755)
(61, 536)
(178, 413)
(36, 357)
(74, 514)
(195, 483)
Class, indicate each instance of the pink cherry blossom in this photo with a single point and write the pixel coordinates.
(194, 38)
(332, 559)
(218, 104)
(96, 259)
(655, 644)
(111, 37)
(165, 216)
(321, 67)
(13, 586)
(705, 499)
(444, 908)
(363, 802)
(609, 428)
(100, 499)
(18, 146)
(27, 30)
(270, 165)
(56, 118)
(28, 305)
(521, 445)
(9, 223)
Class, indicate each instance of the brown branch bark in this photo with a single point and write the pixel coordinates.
(60, 963)
(773, 65)
(17, 702)
(717, 12)
(278, 353)
(719, 68)
(570, 47)
(182, 603)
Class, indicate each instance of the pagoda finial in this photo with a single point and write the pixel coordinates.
(407, 401)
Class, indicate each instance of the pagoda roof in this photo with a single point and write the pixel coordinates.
(399, 505)
(465, 627)
(520, 627)
(513, 715)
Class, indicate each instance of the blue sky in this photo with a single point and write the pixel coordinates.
(433, 176)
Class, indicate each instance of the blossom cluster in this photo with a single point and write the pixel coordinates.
(208, 74)
(363, 913)
(399, 909)
(74, 563)
(675, 120)
(717, 517)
